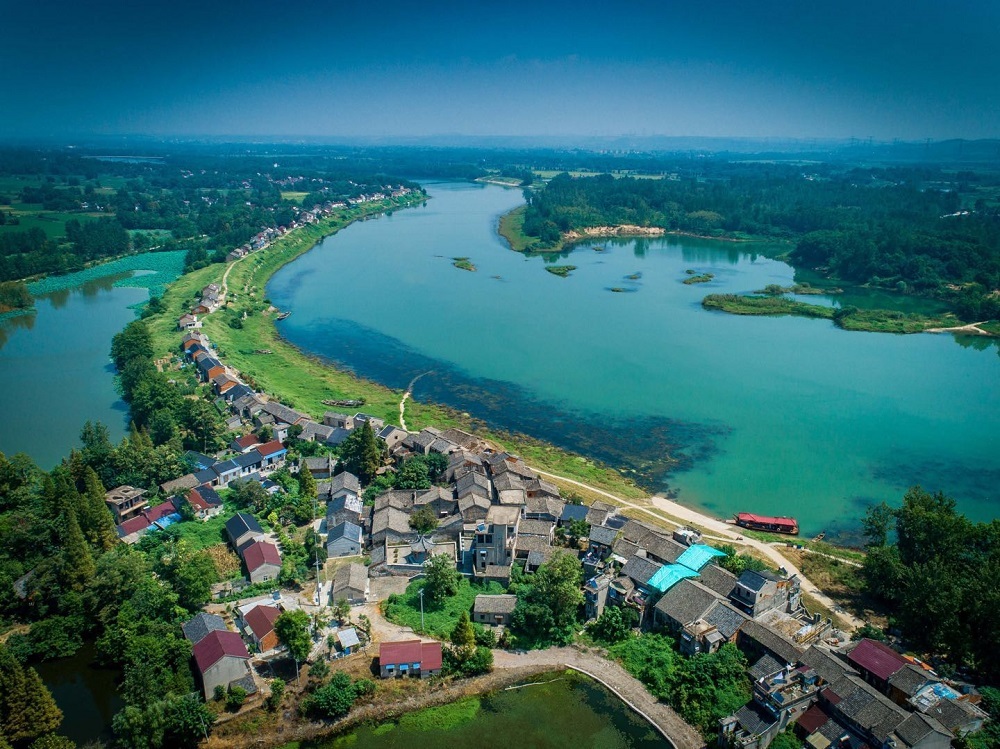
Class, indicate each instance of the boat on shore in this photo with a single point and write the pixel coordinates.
(283, 315)
(789, 526)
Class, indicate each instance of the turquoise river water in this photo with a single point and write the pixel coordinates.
(770, 415)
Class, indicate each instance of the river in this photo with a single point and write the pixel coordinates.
(770, 415)
(55, 370)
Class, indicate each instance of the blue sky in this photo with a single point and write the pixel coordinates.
(757, 68)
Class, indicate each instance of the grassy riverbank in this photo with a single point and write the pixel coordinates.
(303, 381)
(848, 318)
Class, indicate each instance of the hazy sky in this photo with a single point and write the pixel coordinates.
(801, 68)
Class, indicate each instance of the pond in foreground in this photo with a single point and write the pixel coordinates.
(768, 415)
(565, 710)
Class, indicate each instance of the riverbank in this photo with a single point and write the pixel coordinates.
(847, 318)
(303, 381)
(511, 228)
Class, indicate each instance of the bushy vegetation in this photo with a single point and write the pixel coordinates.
(548, 602)
(702, 688)
(939, 573)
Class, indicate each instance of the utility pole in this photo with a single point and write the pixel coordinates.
(421, 609)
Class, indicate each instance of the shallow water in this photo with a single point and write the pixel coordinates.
(772, 415)
(568, 711)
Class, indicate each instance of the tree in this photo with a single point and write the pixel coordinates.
(78, 564)
(441, 577)
(100, 525)
(342, 609)
(307, 485)
(273, 701)
(292, 629)
(333, 699)
(186, 721)
(27, 709)
(578, 530)
(548, 605)
(414, 474)
(463, 636)
(615, 624)
(235, 697)
(361, 454)
(424, 520)
(190, 572)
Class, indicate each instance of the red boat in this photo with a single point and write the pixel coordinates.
(767, 523)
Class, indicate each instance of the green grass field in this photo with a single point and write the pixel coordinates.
(439, 617)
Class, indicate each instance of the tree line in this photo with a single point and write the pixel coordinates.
(900, 228)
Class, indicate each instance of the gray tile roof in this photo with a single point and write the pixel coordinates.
(345, 480)
(726, 619)
(535, 528)
(346, 530)
(779, 646)
(765, 665)
(349, 577)
(640, 569)
(753, 719)
(870, 710)
(500, 604)
(686, 602)
(828, 666)
(600, 534)
(391, 519)
(909, 679)
(198, 627)
(720, 580)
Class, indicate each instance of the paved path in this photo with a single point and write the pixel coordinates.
(725, 533)
(617, 679)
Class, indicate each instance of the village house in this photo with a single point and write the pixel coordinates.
(188, 322)
(205, 502)
(258, 625)
(350, 583)
(494, 610)
(759, 592)
(245, 444)
(319, 468)
(263, 561)
(409, 658)
(344, 540)
(221, 659)
(273, 455)
(242, 527)
(125, 502)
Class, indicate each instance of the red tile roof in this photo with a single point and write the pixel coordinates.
(260, 553)
(160, 511)
(430, 656)
(197, 502)
(427, 654)
(138, 523)
(394, 653)
(878, 659)
(260, 619)
(269, 448)
(217, 645)
(248, 441)
(812, 719)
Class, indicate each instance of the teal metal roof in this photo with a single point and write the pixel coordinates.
(697, 556)
(669, 575)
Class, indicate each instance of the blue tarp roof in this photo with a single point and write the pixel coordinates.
(669, 575)
(697, 556)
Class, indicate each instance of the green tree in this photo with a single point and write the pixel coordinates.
(235, 697)
(190, 572)
(463, 636)
(334, 699)
(361, 454)
(414, 474)
(615, 624)
(548, 604)
(342, 609)
(307, 485)
(273, 701)
(292, 628)
(52, 741)
(186, 721)
(441, 577)
(424, 520)
(100, 525)
(77, 562)
(27, 709)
